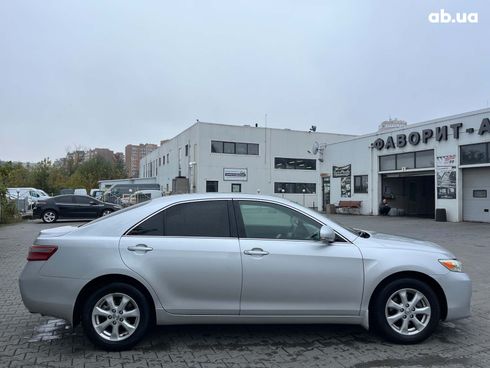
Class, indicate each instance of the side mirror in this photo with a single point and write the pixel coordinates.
(327, 234)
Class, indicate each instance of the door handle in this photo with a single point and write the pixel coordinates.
(255, 252)
(140, 248)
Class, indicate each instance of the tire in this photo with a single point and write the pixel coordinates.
(49, 216)
(131, 320)
(105, 212)
(401, 324)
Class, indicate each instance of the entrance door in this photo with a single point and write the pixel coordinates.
(410, 194)
(325, 192)
(288, 271)
(476, 194)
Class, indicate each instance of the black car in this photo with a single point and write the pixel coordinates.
(71, 206)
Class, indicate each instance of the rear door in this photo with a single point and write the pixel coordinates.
(190, 255)
(65, 205)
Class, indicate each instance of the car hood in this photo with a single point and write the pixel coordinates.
(401, 242)
(57, 231)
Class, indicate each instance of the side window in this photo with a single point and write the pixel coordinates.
(151, 226)
(207, 218)
(271, 221)
(64, 199)
(82, 200)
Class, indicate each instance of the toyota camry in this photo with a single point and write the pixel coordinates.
(235, 258)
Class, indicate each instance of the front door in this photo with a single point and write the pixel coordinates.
(189, 254)
(288, 271)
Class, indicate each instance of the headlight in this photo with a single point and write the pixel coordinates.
(452, 264)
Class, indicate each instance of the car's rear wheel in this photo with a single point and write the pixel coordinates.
(116, 317)
(49, 216)
(106, 212)
(406, 311)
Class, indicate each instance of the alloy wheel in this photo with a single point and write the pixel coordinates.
(408, 311)
(49, 216)
(115, 317)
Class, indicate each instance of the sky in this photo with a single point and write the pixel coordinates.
(95, 73)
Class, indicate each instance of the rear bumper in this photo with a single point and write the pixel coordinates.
(457, 288)
(51, 296)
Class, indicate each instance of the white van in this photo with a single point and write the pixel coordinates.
(31, 194)
(144, 195)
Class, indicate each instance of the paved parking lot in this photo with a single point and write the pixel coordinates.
(33, 341)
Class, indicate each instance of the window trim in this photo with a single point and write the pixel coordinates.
(231, 217)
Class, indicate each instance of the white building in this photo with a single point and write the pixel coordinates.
(442, 163)
(249, 159)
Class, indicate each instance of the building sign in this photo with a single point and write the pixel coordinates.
(344, 173)
(440, 133)
(446, 176)
(341, 171)
(235, 174)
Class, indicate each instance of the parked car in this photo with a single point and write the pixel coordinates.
(71, 206)
(144, 195)
(80, 191)
(235, 258)
(31, 194)
(96, 193)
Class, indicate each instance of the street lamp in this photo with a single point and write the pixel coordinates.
(304, 191)
(282, 191)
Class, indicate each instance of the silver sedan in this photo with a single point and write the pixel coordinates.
(233, 258)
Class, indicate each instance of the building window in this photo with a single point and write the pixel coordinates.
(360, 183)
(159, 161)
(186, 150)
(409, 160)
(424, 159)
(229, 147)
(216, 147)
(234, 148)
(405, 160)
(387, 163)
(163, 160)
(168, 161)
(211, 186)
(294, 163)
(236, 188)
(475, 154)
(307, 188)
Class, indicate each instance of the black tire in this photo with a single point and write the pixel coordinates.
(49, 216)
(413, 334)
(105, 212)
(117, 289)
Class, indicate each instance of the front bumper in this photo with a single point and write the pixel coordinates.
(51, 296)
(457, 288)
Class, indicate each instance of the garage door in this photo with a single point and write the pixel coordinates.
(476, 194)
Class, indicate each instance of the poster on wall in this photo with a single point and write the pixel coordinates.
(345, 187)
(341, 171)
(446, 176)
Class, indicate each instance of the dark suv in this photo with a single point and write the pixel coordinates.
(72, 206)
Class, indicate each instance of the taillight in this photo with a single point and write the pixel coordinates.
(41, 252)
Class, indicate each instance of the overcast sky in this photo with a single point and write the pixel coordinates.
(108, 73)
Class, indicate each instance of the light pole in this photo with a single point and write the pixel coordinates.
(304, 191)
(282, 191)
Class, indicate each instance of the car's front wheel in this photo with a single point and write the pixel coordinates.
(406, 311)
(49, 216)
(116, 317)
